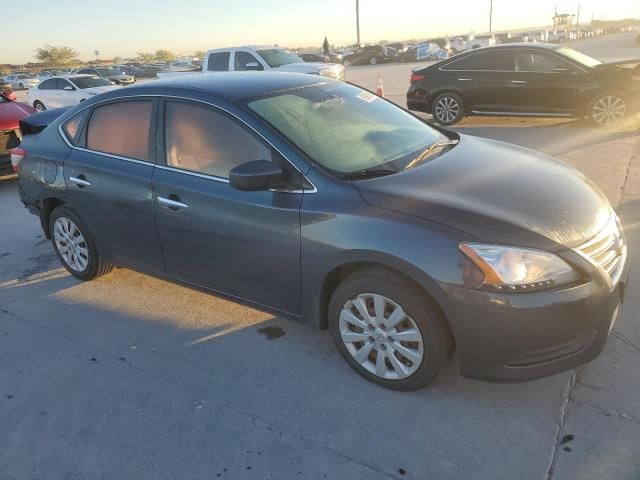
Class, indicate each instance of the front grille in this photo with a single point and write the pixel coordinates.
(607, 250)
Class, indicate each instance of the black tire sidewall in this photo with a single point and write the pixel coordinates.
(92, 269)
(416, 303)
(461, 111)
(38, 102)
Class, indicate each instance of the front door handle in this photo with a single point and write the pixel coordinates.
(173, 202)
(80, 181)
(519, 82)
(465, 79)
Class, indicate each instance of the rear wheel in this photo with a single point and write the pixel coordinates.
(448, 109)
(608, 109)
(39, 106)
(387, 330)
(373, 61)
(74, 247)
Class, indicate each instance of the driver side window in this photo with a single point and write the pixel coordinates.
(540, 63)
(242, 59)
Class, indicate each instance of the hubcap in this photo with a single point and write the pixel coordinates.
(71, 244)
(609, 109)
(447, 109)
(381, 337)
(38, 106)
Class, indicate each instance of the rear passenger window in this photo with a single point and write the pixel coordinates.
(205, 141)
(72, 126)
(121, 129)
(497, 61)
(218, 62)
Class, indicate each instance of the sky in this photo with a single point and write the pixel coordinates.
(124, 27)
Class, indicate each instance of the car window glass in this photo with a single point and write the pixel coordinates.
(121, 129)
(218, 62)
(243, 58)
(48, 85)
(71, 127)
(61, 83)
(536, 62)
(205, 141)
(501, 61)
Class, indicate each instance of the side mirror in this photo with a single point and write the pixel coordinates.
(256, 175)
(9, 95)
(253, 66)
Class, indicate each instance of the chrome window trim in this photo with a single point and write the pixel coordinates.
(454, 60)
(313, 188)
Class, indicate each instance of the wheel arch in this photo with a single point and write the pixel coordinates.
(447, 89)
(47, 207)
(340, 271)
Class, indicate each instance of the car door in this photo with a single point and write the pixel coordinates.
(545, 83)
(66, 93)
(108, 176)
(45, 93)
(480, 78)
(245, 244)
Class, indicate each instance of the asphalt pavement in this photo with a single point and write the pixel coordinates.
(132, 377)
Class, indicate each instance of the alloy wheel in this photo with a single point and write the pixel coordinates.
(381, 337)
(609, 109)
(447, 109)
(71, 244)
(373, 60)
(39, 106)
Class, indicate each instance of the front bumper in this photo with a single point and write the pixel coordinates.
(516, 337)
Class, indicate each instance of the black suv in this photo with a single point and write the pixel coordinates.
(526, 80)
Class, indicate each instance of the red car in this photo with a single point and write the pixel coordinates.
(11, 112)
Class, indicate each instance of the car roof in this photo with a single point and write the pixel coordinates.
(237, 85)
(537, 45)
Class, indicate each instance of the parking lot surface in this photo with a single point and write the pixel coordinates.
(130, 376)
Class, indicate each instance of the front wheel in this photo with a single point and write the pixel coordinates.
(39, 106)
(608, 109)
(448, 109)
(387, 330)
(74, 246)
(373, 61)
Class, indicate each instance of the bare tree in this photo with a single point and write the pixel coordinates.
(199, 54)
(146, 56)
(165, 55)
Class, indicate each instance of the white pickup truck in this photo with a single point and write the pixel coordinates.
(260, 59)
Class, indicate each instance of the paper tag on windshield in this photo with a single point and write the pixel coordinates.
(367, 97)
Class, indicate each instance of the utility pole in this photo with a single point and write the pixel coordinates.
(490, 16)
(358, 20)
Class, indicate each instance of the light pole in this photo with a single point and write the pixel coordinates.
(490, 16)
(358, 20)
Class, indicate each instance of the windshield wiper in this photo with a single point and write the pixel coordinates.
(370, 173)
(428, 151)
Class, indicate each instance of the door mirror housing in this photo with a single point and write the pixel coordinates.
(255, 66)
(9, 95)
(255, 176)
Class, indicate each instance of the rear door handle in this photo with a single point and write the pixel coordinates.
(173, 203)
(465, 79)
(519, 82)
(80, 180)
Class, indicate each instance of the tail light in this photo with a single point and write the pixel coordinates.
(17, 156)
(416, 77)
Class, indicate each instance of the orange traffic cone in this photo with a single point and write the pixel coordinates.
(380, 88)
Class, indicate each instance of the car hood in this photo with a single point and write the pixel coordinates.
(306, 67)
(498, 193)
(11, 113)
(125, 78)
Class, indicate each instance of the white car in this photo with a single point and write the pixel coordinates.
(67, 91)
(43, 75)
(22, 81)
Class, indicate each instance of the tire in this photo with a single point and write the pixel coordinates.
(373, 61)
(21, 86)
(88, 264)
(39, 106)
(608, 109)
(448, 109)
(419, 319)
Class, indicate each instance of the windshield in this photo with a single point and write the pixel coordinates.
(106, 72)
(277, 56)
(581, 58)
(347, 129)
(90, 82)
(22, 77)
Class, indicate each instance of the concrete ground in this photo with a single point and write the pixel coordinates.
(132, 377)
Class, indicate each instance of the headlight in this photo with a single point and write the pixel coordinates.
(515, 268)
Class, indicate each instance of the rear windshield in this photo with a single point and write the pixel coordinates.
(346, 129)
(90, 82)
